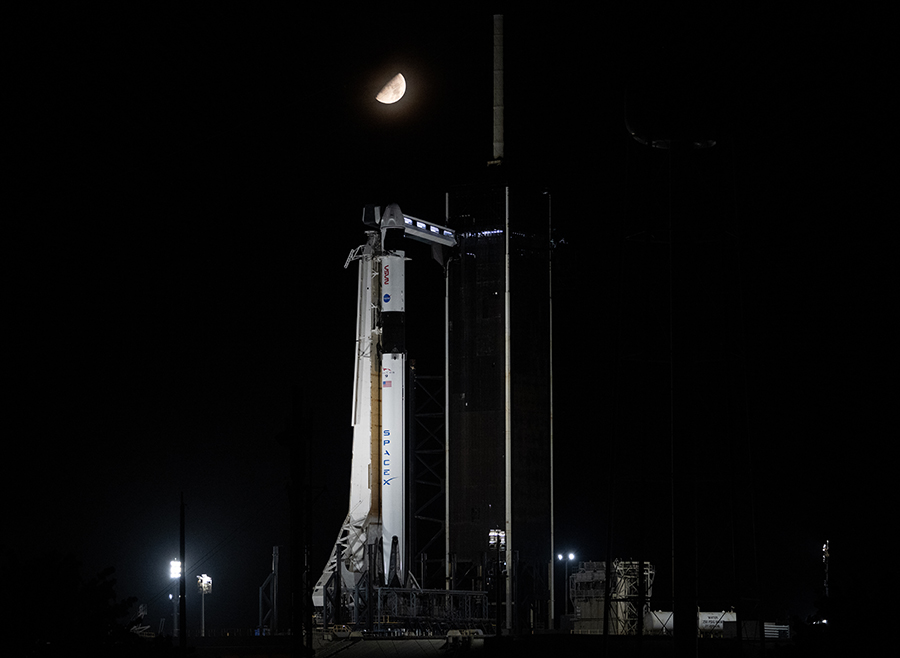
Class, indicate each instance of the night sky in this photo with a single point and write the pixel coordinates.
(186, 188)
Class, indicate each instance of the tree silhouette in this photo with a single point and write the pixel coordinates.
(56, 610)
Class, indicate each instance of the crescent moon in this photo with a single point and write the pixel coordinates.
(393, 90)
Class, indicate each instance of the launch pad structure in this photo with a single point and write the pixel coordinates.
(368, 578)
(610, 598)
(495, 567)
(496, 485)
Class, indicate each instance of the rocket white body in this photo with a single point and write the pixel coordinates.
(378, 491)
(393, 417)
(393, 459)
(378, 473)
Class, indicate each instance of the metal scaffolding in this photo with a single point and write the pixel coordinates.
(428, 491)
(268, 599)
(430, 609)
(622, 601)
(629, 602)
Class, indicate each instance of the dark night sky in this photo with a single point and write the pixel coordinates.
(186, 188)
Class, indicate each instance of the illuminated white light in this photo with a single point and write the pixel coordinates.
(483, 234)
(559, 556)
(423, 231)
(175, 569)
(204, 583)
(571, 556)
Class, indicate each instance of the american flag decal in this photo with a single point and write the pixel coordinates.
(387, 383)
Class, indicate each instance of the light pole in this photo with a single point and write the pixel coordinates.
(204, 585)
(568, 557)
(497, 541)
(175, 574)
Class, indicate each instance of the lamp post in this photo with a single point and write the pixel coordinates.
(568, 558)
(175, 574)
(497, 541)
(204, 585)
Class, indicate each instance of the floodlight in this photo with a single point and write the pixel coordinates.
(204, 584)
(570, 557)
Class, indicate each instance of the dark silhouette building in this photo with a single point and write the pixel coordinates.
(500, 431)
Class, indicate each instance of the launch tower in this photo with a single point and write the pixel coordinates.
(500, 447)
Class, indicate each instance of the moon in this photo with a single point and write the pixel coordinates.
(393, 90)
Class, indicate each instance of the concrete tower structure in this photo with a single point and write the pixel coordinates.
(500, 430)
(500, 448)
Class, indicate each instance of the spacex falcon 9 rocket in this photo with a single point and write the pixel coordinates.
(378, 479)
